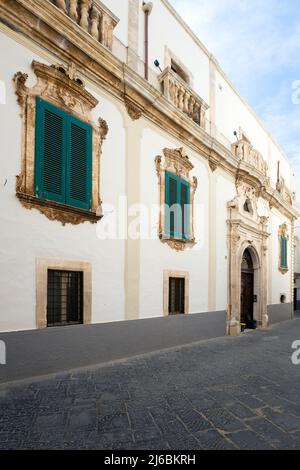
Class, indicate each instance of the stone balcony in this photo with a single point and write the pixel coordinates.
(183, 97)
(287, 195)
(92, 16)
(245, 152)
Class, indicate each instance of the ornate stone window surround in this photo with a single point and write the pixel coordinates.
(42, 266)
(177, 162)
(60, 86)
(178, 274)
(282, 232)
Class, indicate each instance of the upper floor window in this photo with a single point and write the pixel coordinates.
(61, 145)
(63, 161)
(177, 199)
(179, 71)
(177, 193)
(283, 252)
(283, 248)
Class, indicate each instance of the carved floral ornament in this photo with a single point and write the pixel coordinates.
(61, 86)
(283, 231)
(244, 205)
(175, 161)
(134, 112)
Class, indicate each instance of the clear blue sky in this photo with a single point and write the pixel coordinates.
(257, 43)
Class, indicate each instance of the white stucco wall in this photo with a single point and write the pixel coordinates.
(232, 115)
(225, 192)
(26, 234)
(120, 9)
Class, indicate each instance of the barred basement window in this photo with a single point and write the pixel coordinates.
(64, 298)
(176, 295)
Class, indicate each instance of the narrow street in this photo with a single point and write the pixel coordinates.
(229, 393)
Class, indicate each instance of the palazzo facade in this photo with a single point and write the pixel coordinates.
(113, 112)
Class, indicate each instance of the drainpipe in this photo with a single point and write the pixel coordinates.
(147, 8)
(229, 280)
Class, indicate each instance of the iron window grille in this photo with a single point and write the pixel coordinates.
(64, 298)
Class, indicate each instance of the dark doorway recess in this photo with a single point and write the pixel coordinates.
(247, 291)
(176, 295)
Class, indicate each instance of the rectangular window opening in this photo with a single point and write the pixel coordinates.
(176, 296)
(63, 157)
(177, 200)
(64, 298)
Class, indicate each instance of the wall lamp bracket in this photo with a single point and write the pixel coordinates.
(157, 64)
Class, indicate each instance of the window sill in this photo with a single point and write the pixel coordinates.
(283, 270)
(178, 244)
(57, 211)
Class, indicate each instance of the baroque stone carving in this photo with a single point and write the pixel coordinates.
(212, 165)
(245, 152)
(175, 161)
(178, 92)
(103, 128)
(133, 110)
(245, 201)
(56, 211)
(61, 86)
(94, 17)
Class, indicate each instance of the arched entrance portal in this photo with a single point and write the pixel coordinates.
(247, 261)
(247, 291)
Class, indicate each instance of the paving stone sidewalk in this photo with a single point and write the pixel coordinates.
(228, 393)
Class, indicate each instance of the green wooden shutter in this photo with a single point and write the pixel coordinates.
(79, 165)
(171, 199)
(50, 152)
(185, 208)
(284, 263)
(177, 222)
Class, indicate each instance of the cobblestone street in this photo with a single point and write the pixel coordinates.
(229, 393)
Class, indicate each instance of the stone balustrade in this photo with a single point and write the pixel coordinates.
(183, 97)
(287, 195)
(244, 151)
(92, 16)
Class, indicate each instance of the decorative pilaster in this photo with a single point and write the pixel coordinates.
(133, 34)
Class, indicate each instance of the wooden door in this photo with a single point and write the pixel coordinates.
(247, 298)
